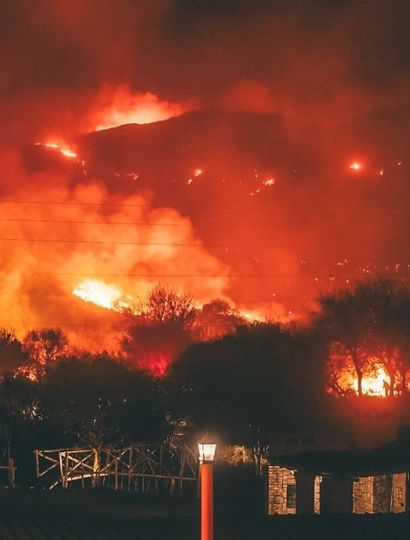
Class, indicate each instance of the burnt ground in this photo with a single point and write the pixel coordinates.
(106, 515)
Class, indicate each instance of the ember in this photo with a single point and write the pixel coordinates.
(356, 166)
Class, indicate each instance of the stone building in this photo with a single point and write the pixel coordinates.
(339, 482)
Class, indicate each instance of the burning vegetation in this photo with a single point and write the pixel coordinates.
(135, 159)
(360, 335)
(367, 331)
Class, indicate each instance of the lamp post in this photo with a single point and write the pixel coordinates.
(206, 458)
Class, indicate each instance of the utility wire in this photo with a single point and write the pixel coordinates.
(115, 242)
(212, 225)
(80, 222)
(75, 203)
(127, 205)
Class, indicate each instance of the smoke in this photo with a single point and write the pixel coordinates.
(118, 106)
(271, 100)
(321, 61)
(56, 234)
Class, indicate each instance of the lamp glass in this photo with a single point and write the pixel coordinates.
(206, 452)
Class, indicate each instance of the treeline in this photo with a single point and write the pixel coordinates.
(155, 332)
(256, 382)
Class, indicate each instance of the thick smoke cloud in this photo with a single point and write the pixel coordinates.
(323, 60)
(94, 241)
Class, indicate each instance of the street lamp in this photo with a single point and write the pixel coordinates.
(206, 458)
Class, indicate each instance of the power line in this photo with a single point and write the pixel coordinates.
(145, 205)
(80, 274)
(80, 222)
(190, 225)
(115, 242)
(129, 243)
(75, 203)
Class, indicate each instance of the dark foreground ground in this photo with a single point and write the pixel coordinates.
(105, 515)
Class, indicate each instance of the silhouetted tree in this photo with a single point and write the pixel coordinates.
(248, 385)
(159, 330)
(44, 348)
(11, 353)
(216, 319)
(365, 327)
(98, 401)
(18, 408)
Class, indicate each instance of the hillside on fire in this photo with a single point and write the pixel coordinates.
(254, 208)
(339, 381)
(204, 269)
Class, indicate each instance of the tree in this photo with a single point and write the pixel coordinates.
(365, 328)
(11, 353)
(216, 319)
(18, 401)
(159, 330)
(44, 348)
(390, 339)
(165, 305)
(97, 401)
(260, 381)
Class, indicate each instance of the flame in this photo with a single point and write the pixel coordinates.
(157, 364)
(252, 316)
(375, 384)
(269, 182)
(63, 149)
(117, 107)
(101, 294)
(356, 166)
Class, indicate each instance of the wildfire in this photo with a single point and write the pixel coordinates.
(62, 149)
(120, 106)
(269, 182)
(356, 166)
(252, 316)
(101, 294)
(375, 384)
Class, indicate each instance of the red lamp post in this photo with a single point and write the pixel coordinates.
(206, 458)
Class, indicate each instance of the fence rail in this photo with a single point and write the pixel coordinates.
(141, 467)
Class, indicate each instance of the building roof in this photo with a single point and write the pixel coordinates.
(348, 462)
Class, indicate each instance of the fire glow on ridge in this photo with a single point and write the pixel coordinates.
(99, 293)
(62, 149)
(124, 107)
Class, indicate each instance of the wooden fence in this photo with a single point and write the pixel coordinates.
(140, 467)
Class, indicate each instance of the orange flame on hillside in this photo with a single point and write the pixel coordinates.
(63, 149)
(102, 294)
(356, 166)
(117, 107)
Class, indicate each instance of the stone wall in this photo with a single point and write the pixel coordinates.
(399, 493)
(316, 503)
(363, 495)
(279, 478)
(368, 494)
(380, 494)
